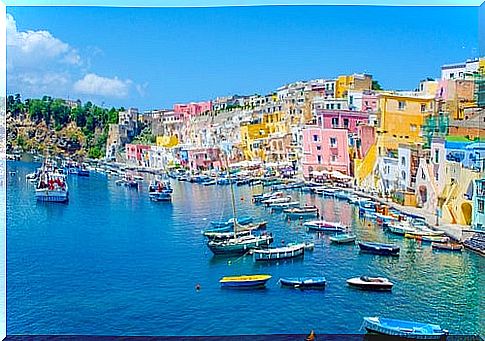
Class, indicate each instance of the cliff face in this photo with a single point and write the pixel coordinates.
(24, 135)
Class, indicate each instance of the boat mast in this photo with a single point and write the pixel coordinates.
(233, 199)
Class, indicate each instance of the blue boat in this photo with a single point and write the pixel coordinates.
(304, 282)
(379, 248)
(244, 220)
(404, 329)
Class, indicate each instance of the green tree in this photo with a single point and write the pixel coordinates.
(376, 85)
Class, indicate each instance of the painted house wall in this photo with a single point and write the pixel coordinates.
(325, 149)
(478, 217)
(344, 119)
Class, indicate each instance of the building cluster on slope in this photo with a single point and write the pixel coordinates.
(423, 148)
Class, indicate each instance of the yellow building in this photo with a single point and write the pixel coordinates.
(167, 141)
(481, 65)
(401, 119)
(254, 135)
(356, 82)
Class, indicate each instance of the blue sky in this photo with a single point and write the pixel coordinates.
(153, 57)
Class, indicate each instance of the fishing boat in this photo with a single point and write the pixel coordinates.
(379, 248)
(301, 212)
(304, 282)
(244, 281)
(426, 232)
(428, 239)
(370, 283)
(265, 196)
(51, 186)
(278, 253)
(322, 225)
(447, 247)
(404, 329)
(343, 238)
(244, 220)
(158, 191)
(400, 228)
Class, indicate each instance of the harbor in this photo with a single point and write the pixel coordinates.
(113, 259)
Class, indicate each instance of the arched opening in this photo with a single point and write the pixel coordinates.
(466, 209)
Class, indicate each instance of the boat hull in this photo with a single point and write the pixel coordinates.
(379, 249)
(304, 283)
(404, 329)
(358, 283)
(278, 253)
(343, 240)
(244, 282)
(238, 249)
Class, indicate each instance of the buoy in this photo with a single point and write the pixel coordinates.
(282, 241)
(228, 262)
(197, 287)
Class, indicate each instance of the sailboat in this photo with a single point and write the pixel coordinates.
(238, 244)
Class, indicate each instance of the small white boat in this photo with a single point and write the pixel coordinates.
(323, 225)
(370, 283)
(278, 253)
(283, 205)
(270, 201)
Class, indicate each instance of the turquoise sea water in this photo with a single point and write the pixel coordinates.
(111, 262)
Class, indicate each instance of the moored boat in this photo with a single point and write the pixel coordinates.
(429, 239)
(447, 247)
(304, 282)
(343, 238)
(300, 212)
(404, 329)
(52, 187)
(283, 205)
(244, 220)
(277, 200)
(323, 225)
(400, 228)
(279, 253)
(379, 248)
(244, 281)
(370, 283)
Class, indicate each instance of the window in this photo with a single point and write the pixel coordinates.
(333, 142)
(315, 138)
(413, 127)
(423, 176)
(351, 100)
(319, 147)
(332, 106)
(346, 122)
(452, 75)
(423, 107)
(403, 175)
(436, 156)
(335, 122)
(338, 106)
(319, 158)
(334, 158)
(401, 105)
(481, 206)
(327, 106)
(403, 161)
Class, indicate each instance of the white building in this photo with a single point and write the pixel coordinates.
(464, 70)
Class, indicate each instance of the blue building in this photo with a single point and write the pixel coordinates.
(478, 215)
(470, 154)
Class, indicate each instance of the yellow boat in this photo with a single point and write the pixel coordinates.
(244, 281)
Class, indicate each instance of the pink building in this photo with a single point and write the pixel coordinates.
(346, 119)
(325, 150)
(137, 154)
(204, 158)
(193, 109)
(369, 102)
(366, 135)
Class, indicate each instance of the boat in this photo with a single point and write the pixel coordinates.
(238, 245)
(159, 191)
(301, 212)
(229, 230)
(379, 248)
(244, 281)
(309, 246)
(278, 253)
(426, 232)
(51, 186)
(209, 183)
(127, 181)
(342, 195)
(429, 239)
(277, 200)
(264, 196)
(284, 205)
(447, 247)
(400, 229)
(322, 225)
(404, 329)
(370, 283)
(304, 282)
(244, 220)
(343, 238)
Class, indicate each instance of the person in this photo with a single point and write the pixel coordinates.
(311, 336)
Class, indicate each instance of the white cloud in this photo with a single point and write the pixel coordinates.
(38, 63)
(93, 84)
(31, 48)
